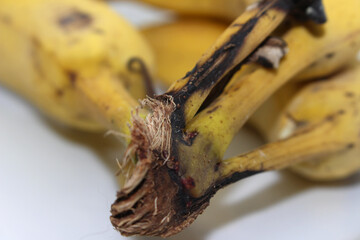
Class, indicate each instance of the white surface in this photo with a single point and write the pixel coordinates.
(57, 184)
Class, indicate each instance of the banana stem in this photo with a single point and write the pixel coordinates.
(144, 72)
(110, 104)
(230, 50)
(313, 142)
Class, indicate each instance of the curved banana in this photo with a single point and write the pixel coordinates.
(318, 102)
(70, 59)
(319, 130)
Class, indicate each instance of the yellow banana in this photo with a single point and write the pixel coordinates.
(70, 59)
(178, 147)
(316, 102)
(320, 125)
(226, 9)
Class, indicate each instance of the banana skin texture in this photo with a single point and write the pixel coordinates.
(70, 59)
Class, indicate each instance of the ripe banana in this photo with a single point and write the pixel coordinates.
(319, 128)
(226, 9)
(178, 147)
(70, 59)
(319, 101)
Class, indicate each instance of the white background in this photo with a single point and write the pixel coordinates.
(59, 184)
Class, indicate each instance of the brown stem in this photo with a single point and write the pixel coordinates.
(312, 142)
(143, 70)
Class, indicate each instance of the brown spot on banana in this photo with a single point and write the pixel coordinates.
(74, 19)
(72, 77)
(59, 93)
(330, 55)
(349, 94)
(5, 19)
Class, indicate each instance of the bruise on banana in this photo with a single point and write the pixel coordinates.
(5, 19)
(155, 199)
(74, 19)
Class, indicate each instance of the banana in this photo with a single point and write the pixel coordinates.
(225, 9)
(265, 117)
(180, 43)
(278, 118)
(319, 101)
(70, 59)
(178, 148)
(319, 129)
(177, 46)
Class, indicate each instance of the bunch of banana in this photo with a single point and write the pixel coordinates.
(319, 125)
(77, 61)
(178, 44)
(179, 147)
(83, 66)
